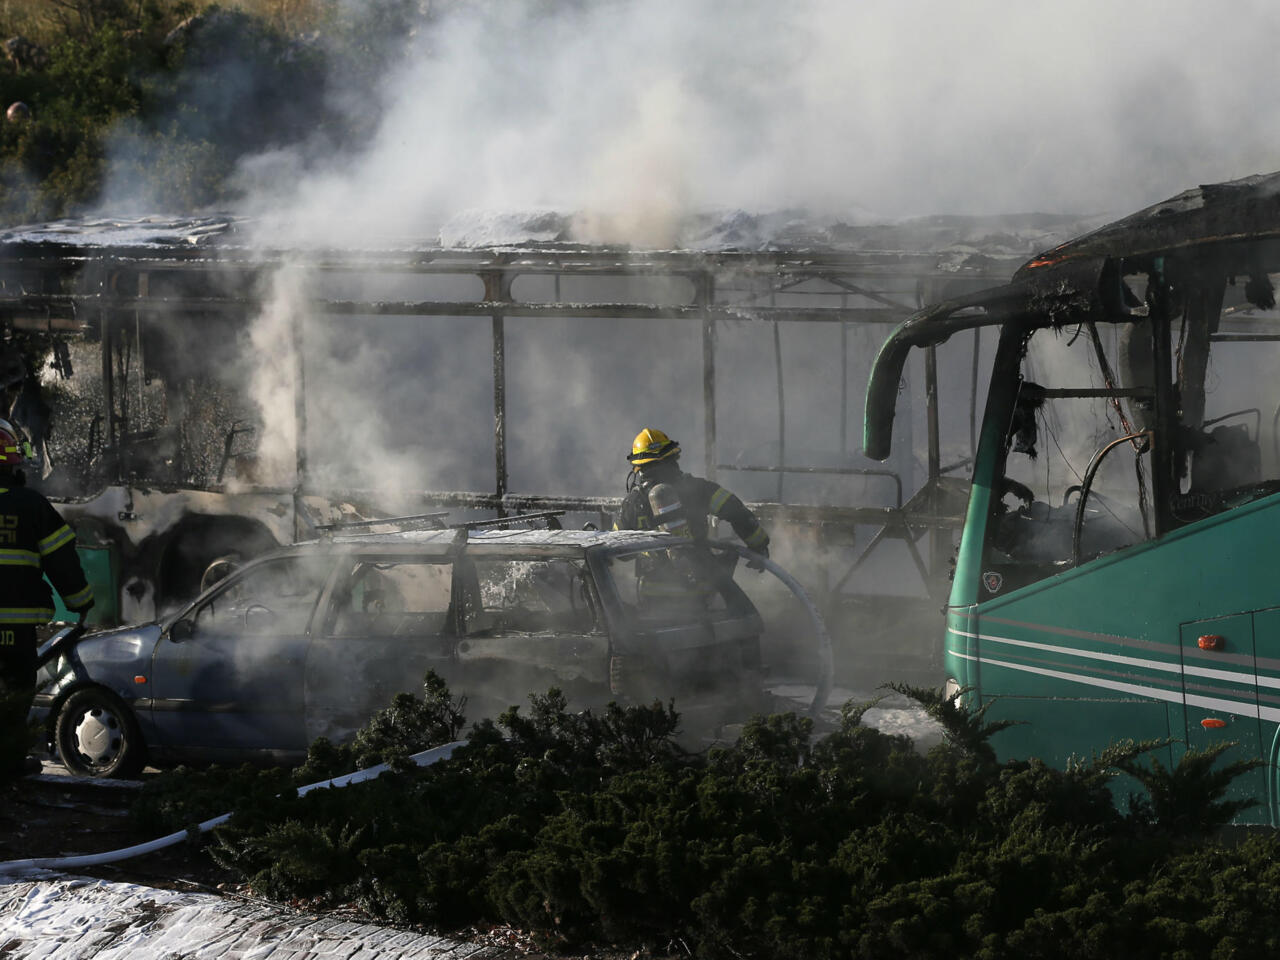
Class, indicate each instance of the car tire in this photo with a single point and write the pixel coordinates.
(96, 735)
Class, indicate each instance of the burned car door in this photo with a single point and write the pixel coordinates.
(686, 630)
(388, 622)
(529, 623)
(227, 677)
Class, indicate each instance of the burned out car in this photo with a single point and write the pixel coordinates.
(312, 639)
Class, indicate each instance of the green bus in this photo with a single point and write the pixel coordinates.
(1116, 576)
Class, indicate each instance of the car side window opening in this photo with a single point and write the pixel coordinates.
(392, 597)
(531, 595)
(274, 597)
(668, 585)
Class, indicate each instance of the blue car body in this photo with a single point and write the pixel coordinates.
(312, 639)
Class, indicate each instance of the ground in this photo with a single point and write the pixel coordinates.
(54, 815)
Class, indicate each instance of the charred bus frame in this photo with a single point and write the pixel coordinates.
(68, 283)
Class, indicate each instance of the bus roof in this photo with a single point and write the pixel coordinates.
(1245, 209)
(1067, 276)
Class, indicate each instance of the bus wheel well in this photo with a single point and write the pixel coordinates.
(195, 543)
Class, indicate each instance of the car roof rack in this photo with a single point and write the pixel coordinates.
(432, 521)
(550, 517)
(436, 521)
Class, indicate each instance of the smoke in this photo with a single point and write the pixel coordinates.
(390, 403)
(274, 383)
(624, 122)
(629, 115)
(648, 122)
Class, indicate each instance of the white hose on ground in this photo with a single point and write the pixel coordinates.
(825, 668)
(423, 759)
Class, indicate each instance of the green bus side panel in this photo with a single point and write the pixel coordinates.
(1111, 721)
(99, 564)
(1208, 724)
(1057, 736)
(1103, 651)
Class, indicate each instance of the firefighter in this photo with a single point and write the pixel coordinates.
(661, 496)
(34, 542)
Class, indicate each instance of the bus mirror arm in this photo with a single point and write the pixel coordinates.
(931, 326)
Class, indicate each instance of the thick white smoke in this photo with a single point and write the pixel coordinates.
(618, 120)
(632, 112)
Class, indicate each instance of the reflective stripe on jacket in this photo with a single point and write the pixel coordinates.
(34, 543)
(701, 498)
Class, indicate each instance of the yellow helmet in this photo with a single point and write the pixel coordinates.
(650, 446)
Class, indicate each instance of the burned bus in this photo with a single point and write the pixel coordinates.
(135, 407)
(213, 394)
(1115, 577)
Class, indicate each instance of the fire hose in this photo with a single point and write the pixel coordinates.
(423, 759)
(823, 638)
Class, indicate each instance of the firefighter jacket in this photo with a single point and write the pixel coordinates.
(34, 541)
(700, 499)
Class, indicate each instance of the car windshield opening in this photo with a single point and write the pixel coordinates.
(276, 596)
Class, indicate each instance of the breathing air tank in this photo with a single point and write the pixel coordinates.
(668, 511)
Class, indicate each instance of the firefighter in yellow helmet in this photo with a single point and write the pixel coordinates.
(660, 496)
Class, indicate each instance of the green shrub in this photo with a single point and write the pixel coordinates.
(1188, 799)
(183, 797)
(123, 117)
(409, 725)
(598, 828)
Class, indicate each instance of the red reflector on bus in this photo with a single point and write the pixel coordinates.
(1212, 723)
(139, 679)
(1211, 641)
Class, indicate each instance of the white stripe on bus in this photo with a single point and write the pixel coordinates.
(1229, 676)
(1250, 710)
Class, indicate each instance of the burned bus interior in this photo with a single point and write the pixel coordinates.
(140, 336)
(1130, 391)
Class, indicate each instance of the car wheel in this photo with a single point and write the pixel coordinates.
(97, 736)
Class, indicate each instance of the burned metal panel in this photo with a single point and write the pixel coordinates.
(1245, 209)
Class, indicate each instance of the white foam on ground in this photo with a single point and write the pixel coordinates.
(67, 911)
(894, 715)
(72, 917)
